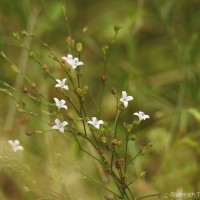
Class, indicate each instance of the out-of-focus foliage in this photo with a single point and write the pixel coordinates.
(155, 57)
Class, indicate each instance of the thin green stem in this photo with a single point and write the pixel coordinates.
(114, 176)
(100, 103)
(86, 151)
(115, 135)
(95, 139)
(101, 185)
(125, 194)
(126, 147)
(138, 154)
(132, 196)
(131, 182)
(147, 196)
(106, 57)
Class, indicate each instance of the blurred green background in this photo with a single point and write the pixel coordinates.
(155, 58)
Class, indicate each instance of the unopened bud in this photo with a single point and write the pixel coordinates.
(103, 139)
(142, 174)
(107, 171)
(103, 79)
(117, 28)
(113, 91)
(119, 143)
(16, 36)
(70, 40)
(79, 47)
(28, 133)
(24, 33)
(45, 68)
(85, 29)
(133, 137)
(31, 54)
(108, 147)
(114, 141)
(33, 85)
(25, 90)
(143, 151)
(100, 151)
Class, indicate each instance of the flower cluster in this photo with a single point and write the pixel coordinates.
(109, 148)
(73, 62)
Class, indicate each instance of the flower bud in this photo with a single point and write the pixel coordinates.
(133, 137)
(31, 54)
(122, 183)
(25, 90)
(114, 141)
(103, 79)
(117, 164)
(85, 29)
(24, 33)
(119, 143)
(143, 150)
(28, 133)
(103, 139)
(100, 151)
(70, 40)
(16, 36)
(33, 85)
(107, 171)
(79, 47)
(117, 28)
(113, 91)
(45, 68)
(108, 147)
(142, 174)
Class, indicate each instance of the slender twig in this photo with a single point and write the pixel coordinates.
(100, 185)
(138, 154)
(147, 196)
(126, 145)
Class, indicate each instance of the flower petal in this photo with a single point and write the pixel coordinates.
(64, 123)
(57, 121)
(61, 129)
(129, 98)
(125, 103)
(100, 122)
(55, 127)
(124, 94)
(66, 87)
(16, 142)
(90, 122)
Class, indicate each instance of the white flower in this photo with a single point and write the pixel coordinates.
(61, 84)
(15, 145)
(59, 125)
(96, 123)
(74, 62)
(60, 103)
(141, 115)
(125, 99)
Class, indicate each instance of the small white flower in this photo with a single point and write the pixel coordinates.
(15, 145)
(125, 98)
(141, 115)
(96, 123)
(59, 125)
(74, 62)
(60, 103)
(61, 84)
